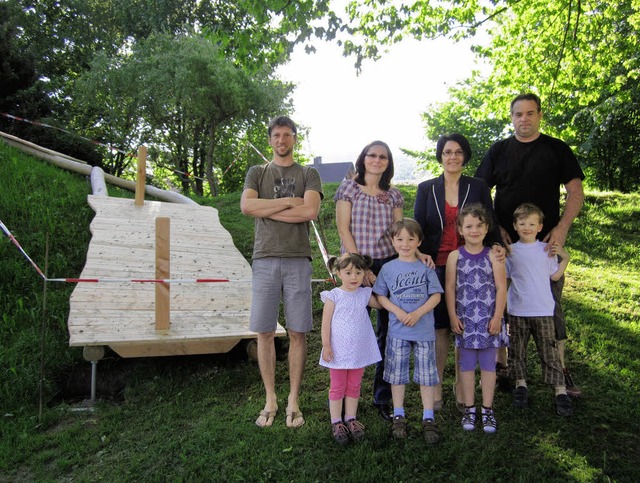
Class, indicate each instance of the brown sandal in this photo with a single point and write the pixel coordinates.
(266, 418)
(294, 418)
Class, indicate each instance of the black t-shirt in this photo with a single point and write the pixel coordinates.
(529, 173)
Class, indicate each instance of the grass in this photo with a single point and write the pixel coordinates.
(191, 418)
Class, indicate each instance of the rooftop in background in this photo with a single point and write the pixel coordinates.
(333, 172)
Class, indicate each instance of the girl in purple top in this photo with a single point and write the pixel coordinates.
(366, 207)
(476, 296)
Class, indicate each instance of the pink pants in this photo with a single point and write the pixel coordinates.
(345, 382)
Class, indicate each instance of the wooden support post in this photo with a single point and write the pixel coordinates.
(163, 271)
(142, 175)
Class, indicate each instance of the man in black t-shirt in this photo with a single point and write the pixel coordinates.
(530, 167)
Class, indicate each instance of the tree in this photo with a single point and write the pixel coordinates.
(182, 95)
(580, 57)
(81, 51)
(466, 114)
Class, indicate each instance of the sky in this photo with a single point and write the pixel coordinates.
(345, 111)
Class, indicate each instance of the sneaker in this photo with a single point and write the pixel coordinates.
(356, 429)
(489, 424)
(399, 427)
(340, 433)
(564, 406)
(469, 420)
(572, 389)
(521, 397)
(430, 431)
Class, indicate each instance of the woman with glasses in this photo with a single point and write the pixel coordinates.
(366, 207)
(438, 202)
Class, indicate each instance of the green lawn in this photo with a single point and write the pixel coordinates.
(191, 418)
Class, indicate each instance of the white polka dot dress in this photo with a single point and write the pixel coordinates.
(353, 340)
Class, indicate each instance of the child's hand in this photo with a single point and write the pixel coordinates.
(557, 249)
(499, 253)
(410, 319)
(327, 353)
(369, 279)
(457, 326)
(400, 314)
(495, 325)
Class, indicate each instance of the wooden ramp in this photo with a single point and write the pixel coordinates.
(205, 317)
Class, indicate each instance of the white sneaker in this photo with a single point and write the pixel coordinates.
(469, 420)
(489, 423)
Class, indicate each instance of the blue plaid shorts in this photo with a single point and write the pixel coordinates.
(397, 361)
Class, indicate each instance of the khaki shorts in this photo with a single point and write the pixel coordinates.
(275, 278)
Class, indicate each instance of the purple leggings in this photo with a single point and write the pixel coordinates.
(469, 357)
(345, 382)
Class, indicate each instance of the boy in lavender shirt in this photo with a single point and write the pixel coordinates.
(530, 306)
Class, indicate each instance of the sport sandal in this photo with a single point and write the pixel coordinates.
(340, 433)
(399, 427)
(430, 431)
(356, 429)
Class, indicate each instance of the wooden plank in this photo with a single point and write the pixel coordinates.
(175, 348)
(163, 271)
(142, 175)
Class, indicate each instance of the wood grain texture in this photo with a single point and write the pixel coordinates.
(205, 317)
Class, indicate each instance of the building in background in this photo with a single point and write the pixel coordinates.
(333, 172)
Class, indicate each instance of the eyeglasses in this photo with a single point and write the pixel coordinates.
(382, 157)
(448, 153)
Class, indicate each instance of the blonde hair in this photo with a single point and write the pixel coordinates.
(527, 209)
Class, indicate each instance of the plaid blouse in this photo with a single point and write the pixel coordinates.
(371, 217)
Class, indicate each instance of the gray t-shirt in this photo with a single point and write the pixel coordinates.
(276, 238)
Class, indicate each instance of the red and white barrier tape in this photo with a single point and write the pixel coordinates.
(15, 242)
(8, 233)
(111, 148)
(42, 124)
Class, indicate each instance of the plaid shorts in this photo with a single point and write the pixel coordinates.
(397, 360)
(542, 329)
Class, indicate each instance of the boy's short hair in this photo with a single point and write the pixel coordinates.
(527, 209)
(409, 224)
(362, 262)
(477, 210)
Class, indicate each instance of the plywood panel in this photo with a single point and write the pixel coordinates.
(204, 316)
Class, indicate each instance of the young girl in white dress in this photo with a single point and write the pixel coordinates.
(348, 342)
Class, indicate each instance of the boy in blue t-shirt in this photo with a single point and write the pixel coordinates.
(410, 290)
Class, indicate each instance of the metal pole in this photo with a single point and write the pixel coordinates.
(94, 370)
